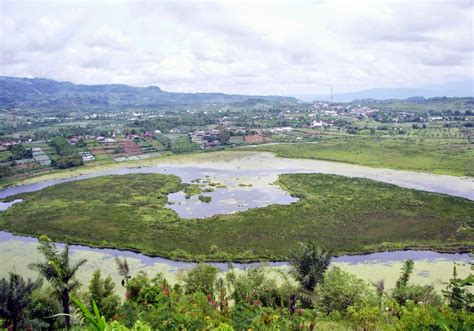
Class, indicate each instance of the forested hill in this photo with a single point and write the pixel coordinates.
(39, 93)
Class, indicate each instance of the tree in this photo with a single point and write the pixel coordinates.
(5, 171)
(407, 269)
(19, 151)
(458, 293)
(15, 295)
(62, 146)
(58, 270)
(416, 293)
(201, 279)
(309, 264)
(224, 135)
(101, 291)
(340, 290)
(44, 309)
(69, 161)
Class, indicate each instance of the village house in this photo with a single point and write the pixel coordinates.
(286, 129)
(40, 156)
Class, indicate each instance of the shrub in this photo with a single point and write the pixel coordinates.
(340, 290)
(201, 279)
(64, 162)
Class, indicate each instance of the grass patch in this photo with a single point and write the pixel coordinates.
(406, 154)
(346, 215)
(191, 189)
(205, 198)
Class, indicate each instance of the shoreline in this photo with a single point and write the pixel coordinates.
(458, 249)
(73, 172)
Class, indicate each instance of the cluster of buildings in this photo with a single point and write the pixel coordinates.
(106, 140)
(363, 111)
(41, 157)
(87, 156)
(285, 129)
(320, 124)
(136, 157)
(7, 143)
(206, 138)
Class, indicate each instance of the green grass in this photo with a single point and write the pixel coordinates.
(406, 154)
(345, 215)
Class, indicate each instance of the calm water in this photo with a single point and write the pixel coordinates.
(382, 257)
(239, 193)
(249, 181)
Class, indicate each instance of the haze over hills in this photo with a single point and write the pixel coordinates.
(454, 89)
(40, 93)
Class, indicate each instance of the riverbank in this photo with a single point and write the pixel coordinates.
(421, 156)
(430, 267)
(239, 161)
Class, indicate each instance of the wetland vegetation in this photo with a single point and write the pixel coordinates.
(345, 215)
(436, 156)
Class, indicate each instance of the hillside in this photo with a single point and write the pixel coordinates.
(451, 90)
(39, 93)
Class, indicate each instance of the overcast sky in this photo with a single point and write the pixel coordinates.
(254, 47)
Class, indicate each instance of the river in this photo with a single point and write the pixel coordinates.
(247, 180)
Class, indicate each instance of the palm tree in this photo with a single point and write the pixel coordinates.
(59, 271)
(309, 264)
(15, 295)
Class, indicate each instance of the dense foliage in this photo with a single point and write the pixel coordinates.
(61, 145)
(69, 161)
(250, 299)
(19, 151)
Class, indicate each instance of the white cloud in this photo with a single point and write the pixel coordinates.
(258, 47)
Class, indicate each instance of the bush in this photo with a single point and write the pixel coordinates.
(253, 286)
(62, 146)
(19, 151)
(340, 290)
(421, 317)
(5, 171)
(102, 292)
(459, 294)
(201, 279)
(417, 294)
(64, 162)
(204, 198)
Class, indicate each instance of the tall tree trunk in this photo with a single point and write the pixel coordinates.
(66, 311)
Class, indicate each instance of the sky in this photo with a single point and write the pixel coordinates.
(253, 47)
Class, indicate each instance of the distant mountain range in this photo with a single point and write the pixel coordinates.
(40, 93)
(456, 89)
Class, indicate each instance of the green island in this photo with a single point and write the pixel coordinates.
(435, 156)
(341, 214)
